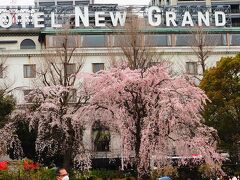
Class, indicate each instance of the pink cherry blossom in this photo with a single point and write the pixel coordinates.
(156, 115)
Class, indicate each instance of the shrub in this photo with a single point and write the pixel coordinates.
(3, 165)
(25, 169)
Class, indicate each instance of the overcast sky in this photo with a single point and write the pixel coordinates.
(121, 2)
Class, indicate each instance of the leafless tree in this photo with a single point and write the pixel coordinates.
(202, 44)
(5, 83)
(62, 61)
(135, 45)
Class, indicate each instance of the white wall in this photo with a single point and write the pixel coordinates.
(16, 58)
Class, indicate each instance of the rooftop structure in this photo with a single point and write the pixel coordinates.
(62, 2)
(234, 6)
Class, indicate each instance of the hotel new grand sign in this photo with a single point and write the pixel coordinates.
(84, 16)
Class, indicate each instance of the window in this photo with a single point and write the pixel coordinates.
(27, 99)
(235, 22)
(72, 96)
(184, 40)
(70, 69)
(128, 40)
(156, 40)
(215, 40)
(8, 42)
(29, 70)
(235, 8)
(65, 3)
(47, 4)
(101, 137)
(27, 44)
(194, 39)
(97, 67)
(71, 41)
(235, 39)
(81, 2)
(191, 68)
(59, 41)
(94, 41)
(119, 40)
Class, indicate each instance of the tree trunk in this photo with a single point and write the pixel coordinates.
(141, 174)
(67, 160)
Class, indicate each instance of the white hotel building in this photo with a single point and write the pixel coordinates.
(22, 49)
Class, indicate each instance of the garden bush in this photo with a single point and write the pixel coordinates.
(24, 170)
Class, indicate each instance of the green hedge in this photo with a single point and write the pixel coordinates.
(40, 174)
(49, 174)
(98, 174)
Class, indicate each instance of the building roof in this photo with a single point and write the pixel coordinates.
(150, 30)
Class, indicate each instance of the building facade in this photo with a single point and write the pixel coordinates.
(23, 50)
